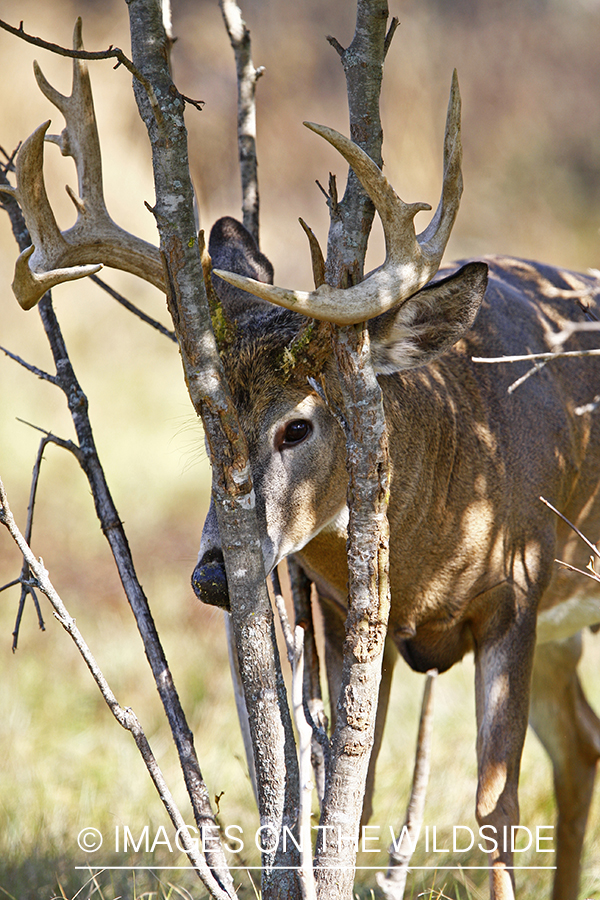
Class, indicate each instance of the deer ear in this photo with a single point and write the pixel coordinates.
(429, 322)
(233, 249)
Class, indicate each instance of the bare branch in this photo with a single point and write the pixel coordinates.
(336, 45)
(125, 717)
(247, 76)
(579, 534)
(537, 367)
(26, 587)
(390, 34)
(288, 634)
(132, 308)
(368, 531)
(557, 340)
(589, 571)
(312, 698)
(45, 376)
(294, 641)
(251, 614)
(80, 53)
(393, 882)
(27, 590)
(559, 354)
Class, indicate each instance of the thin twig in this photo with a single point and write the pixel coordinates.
(10, 584)
(110, 53)
(26, 587)
(133, 309)
(295, 649)
(579, 534)
(24, 579)
(537, 367)
(393, 882)
(589, 571)
(305, 733)
(284, 621)
(335, 44)
(45, 376)
(559, 354)
(312, 698)
(390, 35)
(125, 716)
(50, 438)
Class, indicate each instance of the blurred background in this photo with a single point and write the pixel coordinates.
(529, 72)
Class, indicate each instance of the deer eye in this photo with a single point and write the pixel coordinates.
(294, 433)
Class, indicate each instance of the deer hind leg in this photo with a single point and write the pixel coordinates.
(570, 732)
(503, 659)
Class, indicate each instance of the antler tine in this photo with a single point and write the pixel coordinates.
(435, 237)
(79, 139)
(29, 287)
(49, 246)
(411, 260)
(94, 240)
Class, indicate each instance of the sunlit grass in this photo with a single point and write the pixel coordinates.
(67, 765)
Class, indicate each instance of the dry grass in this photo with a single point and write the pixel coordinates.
(532, 169)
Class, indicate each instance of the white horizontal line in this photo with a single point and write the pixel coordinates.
(283, 868)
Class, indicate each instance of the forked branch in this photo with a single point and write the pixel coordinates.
(79, 53)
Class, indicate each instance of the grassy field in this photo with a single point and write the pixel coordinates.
(528, 75)
(67, 765)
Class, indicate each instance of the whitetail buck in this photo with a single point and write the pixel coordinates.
(472, 546)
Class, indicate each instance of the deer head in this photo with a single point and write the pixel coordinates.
(275, 351)
(283, 378)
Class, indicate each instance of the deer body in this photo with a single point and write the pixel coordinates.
(469, 463)
(472, 546)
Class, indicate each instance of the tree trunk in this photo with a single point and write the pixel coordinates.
(368, 468)
(252, 620)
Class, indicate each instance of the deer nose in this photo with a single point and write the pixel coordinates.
(209, 580)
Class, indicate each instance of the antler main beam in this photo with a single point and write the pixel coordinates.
(411, 260)
(95, 240)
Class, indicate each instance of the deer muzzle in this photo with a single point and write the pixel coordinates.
(209, 579)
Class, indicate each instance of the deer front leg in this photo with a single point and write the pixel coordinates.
(503, 660)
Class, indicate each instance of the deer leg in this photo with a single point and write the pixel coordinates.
(570, 732)
(503, 660)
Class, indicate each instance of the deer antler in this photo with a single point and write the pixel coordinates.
(411, 259)
(94, 240)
